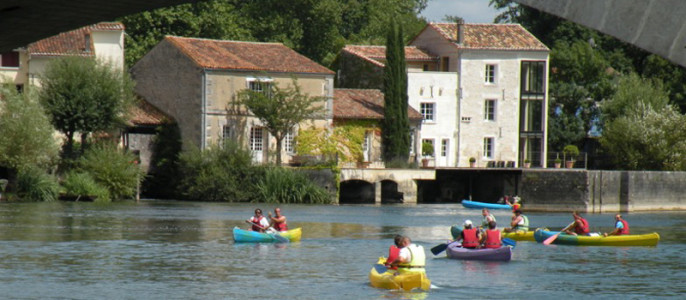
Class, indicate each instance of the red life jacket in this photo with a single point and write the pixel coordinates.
(393, 253)
(280, 226)
(583, 229)
(493, 239)
(624, 230)
(470, 240)
(256, 226)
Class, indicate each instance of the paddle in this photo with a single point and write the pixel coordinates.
(279, 238)
(380, 268)
(509, 242)
(551, 239)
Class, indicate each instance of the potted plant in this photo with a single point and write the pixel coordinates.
(427, 152)
(472, 162)
(527, 163)
(558, 163)
(570, 153)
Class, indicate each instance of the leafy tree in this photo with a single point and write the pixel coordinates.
(396, 127)
(647, 139)
(113, 169)
(281, 109)
(633, 90)
(84, 95)
(26, 136)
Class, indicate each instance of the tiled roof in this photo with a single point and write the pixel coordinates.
(143, 113)
(376, 53)
(491, 36)
(249, 56)
(363, 104)
(71, 42)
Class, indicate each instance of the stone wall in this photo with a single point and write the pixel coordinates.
(602, 191)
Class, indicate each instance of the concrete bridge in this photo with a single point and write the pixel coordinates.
(382, 185)
(658, 26)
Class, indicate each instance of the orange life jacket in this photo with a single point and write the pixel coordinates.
(280, 226)
(470, 240)
(493, 239)
(584, 227)
(256, 226)
(393, 253)
(624, 230)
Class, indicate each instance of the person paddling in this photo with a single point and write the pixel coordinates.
(487, 218)
(278, 221)
(411, 258)
(621, 226)
(492, 237)
(470, 236)
(258, 221)
(519, 222)
(579, 226)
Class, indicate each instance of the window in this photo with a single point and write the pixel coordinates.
(427, 111)
(9, 59)
(289, 142)
(489, 110)
(260, 85)
(412, 142)
(531, 116)
(490, 73)
(444, 147)
(227, 133)
(488, 147)
(256, 139)
(533, 79)
(425, 67)
(429, 149)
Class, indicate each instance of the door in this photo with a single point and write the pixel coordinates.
(256, 144)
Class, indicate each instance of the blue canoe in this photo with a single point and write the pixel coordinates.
(247, 236)
(480, 205)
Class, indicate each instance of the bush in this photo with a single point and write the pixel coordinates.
(81, 184)
(219, 173)
(113, 169)
(427, 149)
(281, 185)
(571, 152)
(34, 184)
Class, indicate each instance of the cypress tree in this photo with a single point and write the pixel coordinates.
(396, 129)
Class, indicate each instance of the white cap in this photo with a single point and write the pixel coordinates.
(467, 223)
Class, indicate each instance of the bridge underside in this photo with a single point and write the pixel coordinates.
(658, 26)
(25, 21)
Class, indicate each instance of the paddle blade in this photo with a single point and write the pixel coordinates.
(380, 268)
(551, 239)
(439, 248)
(509, 242)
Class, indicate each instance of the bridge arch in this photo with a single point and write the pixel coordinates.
(390, 193)
(356, 191)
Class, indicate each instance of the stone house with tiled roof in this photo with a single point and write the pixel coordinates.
(354, 105)
(481, 88)
(103, 41)
(195, 81)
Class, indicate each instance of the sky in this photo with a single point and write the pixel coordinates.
(472, 11)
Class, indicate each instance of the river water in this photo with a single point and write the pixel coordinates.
(184, 250)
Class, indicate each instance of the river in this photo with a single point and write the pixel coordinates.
(185, 250)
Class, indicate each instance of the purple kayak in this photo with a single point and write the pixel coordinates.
(455, 251)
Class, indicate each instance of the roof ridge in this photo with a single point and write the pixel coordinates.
(226, 41)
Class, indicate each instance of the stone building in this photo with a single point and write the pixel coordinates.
(196, 81)
(481, 88)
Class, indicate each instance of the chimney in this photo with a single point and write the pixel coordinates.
(460, 32)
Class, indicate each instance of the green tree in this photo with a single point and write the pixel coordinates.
(395, 125)
(26, 136)
(281, 109)
(634, 94)
(83, 95)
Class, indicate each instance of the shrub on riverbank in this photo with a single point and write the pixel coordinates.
(112, 168)
(81, 184)
(280, 185)
(219, 173)
(34, 184)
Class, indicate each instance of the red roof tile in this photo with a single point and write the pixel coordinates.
(376, 53)
(491, 36)
(71, 42)
(251, 56)
(363, 104)
(143, 113)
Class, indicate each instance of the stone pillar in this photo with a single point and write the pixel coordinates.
(377, 192)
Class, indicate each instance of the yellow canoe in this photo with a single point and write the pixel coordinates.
(405, 281)
(520, 235)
